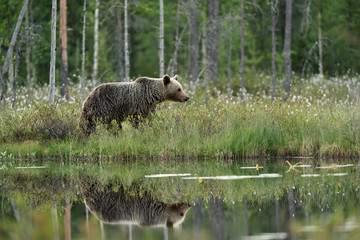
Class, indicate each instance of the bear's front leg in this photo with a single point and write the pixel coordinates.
(135, 120)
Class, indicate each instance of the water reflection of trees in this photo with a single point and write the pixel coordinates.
(247, 200)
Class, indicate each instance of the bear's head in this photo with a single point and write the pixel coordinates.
(175, 213)
(173, 89)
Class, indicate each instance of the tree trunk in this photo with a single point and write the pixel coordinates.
(82, 83)
(242, 58)
(304, 67)
(321, 73)
(77, 54)
(28, 55)
(15, 83)
(277, 214)
(194, 44)
(11, 49)
(96, 42)
(161, 37)
(204, 61)
(213, 40)
(197, 214)
(292, 210)
(287, 48)
(174, 56)
(11, 72)
(246, 220)
(119, 42)
(174, 67)
(87, 222)
(52, 53)
(273, 49)
(228, 89)
(126, 44)
(67, 219)
(55, 223)
(33, 78)
(218, 217)
(63, 51)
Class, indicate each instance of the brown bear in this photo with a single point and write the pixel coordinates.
(137, 99)
(115, 203)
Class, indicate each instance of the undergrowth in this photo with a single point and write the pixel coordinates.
(316, 124)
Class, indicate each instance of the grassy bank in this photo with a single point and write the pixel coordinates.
(323, 122)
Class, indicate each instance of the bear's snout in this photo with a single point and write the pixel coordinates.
(187, 98)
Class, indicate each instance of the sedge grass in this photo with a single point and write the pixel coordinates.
(322, 122)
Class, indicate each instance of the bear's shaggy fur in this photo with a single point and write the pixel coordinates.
(131, 205)
(117, 101)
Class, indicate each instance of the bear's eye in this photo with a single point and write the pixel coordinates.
(179, 89)
(181, 214)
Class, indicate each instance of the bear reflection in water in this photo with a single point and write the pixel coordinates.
(116, 204)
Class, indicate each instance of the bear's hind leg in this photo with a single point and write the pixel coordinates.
(87, 126)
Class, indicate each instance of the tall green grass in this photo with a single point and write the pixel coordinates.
(218, 129)
(324, 121)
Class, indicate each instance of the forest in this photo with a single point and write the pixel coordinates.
(283, 71)
(190, 27)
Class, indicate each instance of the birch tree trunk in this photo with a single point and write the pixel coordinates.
(193, 45)
(55, 221)
(77, 54)
(63, 52)
(228, 88)
(273, 48)
(28, 54)
(52, 53)
(11, 72)
(15, 82)
(213, 40)
(174, 67)
(242, 58)
(321, 72)
(67, 219)
(161, 37)
(120, 42)
(82, 83)
(126, 44)
(96, 42)
(287, 48)
(173, 60)
(11, 49)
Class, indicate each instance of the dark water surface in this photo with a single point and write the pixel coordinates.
(257, 199)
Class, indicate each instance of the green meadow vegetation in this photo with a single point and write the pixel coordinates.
(322, 122)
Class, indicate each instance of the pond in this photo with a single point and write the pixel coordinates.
(180, 199)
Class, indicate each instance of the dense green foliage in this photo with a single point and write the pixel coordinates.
(340, 27)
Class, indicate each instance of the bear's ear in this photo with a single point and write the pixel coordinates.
(166, 79)
(176, 77)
